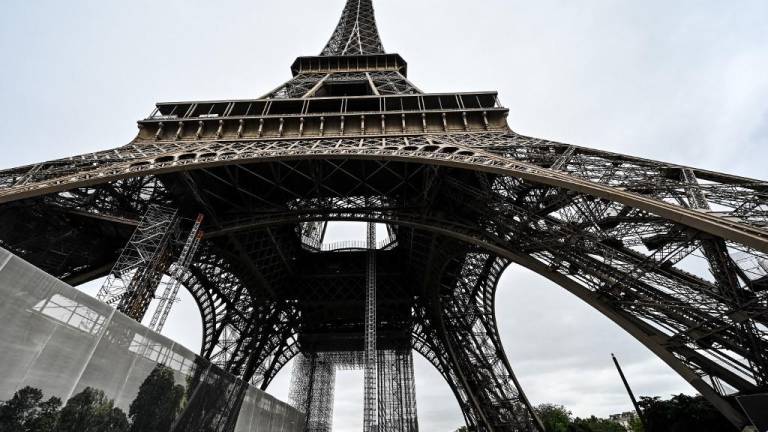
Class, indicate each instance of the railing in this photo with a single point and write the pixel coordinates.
(438, 102)
(348, 245)
(364, 63)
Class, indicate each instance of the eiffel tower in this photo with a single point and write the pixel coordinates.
(462, 196)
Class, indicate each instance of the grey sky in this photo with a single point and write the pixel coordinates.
(683, 81)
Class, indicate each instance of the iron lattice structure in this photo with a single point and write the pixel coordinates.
(172, 284)
(673, 254)
(313, 382)
(130, 286)
(371, 370)
(312, 387)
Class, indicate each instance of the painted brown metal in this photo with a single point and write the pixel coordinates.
(350, 138)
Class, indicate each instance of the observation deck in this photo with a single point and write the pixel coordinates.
(389, 115)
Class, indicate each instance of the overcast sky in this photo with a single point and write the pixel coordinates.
(683, 81)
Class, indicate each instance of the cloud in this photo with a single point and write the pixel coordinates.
(560, 349)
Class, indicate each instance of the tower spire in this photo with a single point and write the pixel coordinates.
(356, 33)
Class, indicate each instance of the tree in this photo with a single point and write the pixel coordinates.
(16, 411)
(635, 425)
(158, 402)
(27, 412)
(110, 420)
(46, 416)
(556, 418)
(594, 424)
(682, 413)
(91, 411)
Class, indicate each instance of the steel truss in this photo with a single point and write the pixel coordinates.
(611, 230)
(673, 254)
(356, 32)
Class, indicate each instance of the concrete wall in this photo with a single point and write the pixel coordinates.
(59, 340)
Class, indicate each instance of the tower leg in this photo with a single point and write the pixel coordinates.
(467, 348)
(493, 394)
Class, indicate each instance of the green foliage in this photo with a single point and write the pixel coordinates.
(15, 412)
(156, 406)
(46, 416)
(635, 425)
(91, 411)
(27, 412)
(556, 418)
(594, 424)
(682, 413)
(157, 403)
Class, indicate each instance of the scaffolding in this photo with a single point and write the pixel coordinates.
(131, 283)
(312, 387)
(397, 391)
(314, 377)
(312, 234)
(177, 272)
(389, 395)
(370, 404)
